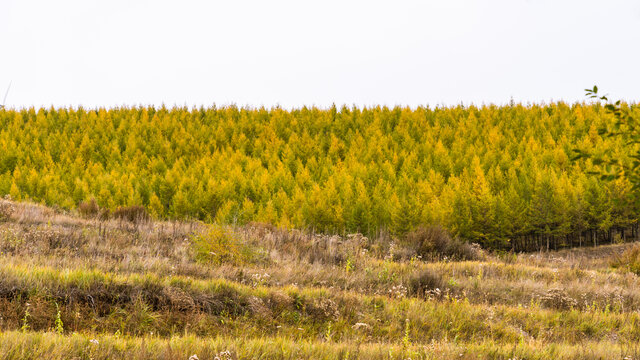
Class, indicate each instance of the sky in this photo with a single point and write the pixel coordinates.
(316, 53)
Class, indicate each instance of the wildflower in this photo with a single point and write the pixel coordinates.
(399, 291)
(225, 355)
(94, 341)
(361, 326)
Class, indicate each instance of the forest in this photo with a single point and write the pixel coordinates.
(499, 176)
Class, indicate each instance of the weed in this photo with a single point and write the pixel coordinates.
(349, 266)
(59, 326)
(406, 340)
(328, 334)
(25, 320)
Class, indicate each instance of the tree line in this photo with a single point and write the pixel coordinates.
(500, 176)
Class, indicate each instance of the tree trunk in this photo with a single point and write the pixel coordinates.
(547, 243)
(580, 240)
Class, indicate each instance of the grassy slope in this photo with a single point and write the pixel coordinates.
(137, 291)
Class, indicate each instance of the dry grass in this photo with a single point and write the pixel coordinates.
(47, 345)
(137, 278)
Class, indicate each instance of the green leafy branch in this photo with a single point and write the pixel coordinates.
(624, 126)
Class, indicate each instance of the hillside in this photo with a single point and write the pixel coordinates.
(500, 176)
(73, 287)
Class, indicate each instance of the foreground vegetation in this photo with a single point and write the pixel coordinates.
(91, 288)
(497, 176)
(51, 346)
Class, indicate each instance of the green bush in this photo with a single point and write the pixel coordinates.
(220, 245)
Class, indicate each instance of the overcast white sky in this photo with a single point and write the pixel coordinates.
(294, 53)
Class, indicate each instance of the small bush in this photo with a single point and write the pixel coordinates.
(506, 257)
(423, 281)
(558, 299)
(6, 210)
(104, 214)
(134, 214)
(435, 241)
(219, 245)
(628, 260)
(89, 209)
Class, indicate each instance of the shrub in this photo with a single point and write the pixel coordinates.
(104, 214)
(628, 260)
(135, 214)
(435, 241)
(89, 209)
(557, 298)
(6, 210)
(423, 281)
(220, 245)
